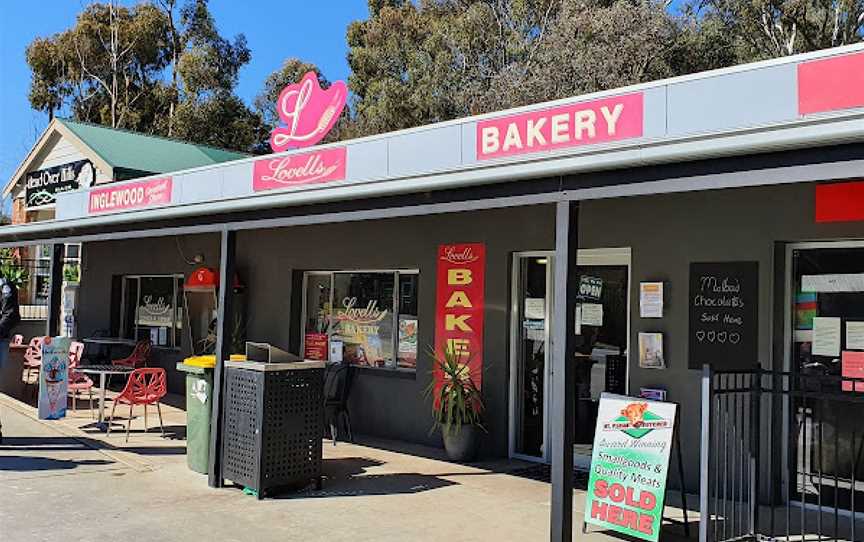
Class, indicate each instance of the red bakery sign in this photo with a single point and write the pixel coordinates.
(459, 305)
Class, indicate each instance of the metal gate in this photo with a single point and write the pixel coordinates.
(781, 457)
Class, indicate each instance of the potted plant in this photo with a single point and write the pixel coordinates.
(457, 405)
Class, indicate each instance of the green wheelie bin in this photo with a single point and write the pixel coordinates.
(199, 387)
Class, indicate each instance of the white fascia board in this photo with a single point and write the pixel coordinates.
(827, 130)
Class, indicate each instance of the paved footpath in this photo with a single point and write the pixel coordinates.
(59, 486)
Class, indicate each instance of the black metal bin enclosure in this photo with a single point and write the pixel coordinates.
(273, 423)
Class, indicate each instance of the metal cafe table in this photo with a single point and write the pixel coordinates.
(103, 371)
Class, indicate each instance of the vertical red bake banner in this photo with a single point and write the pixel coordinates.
(459, 305)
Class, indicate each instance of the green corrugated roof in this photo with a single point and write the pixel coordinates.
(141, 152)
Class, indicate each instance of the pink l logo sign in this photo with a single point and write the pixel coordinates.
(308, 112)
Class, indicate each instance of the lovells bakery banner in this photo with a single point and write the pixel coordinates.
(629, 464)
(459, 305)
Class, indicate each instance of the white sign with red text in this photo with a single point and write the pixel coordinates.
(584, 123)
(129, 196)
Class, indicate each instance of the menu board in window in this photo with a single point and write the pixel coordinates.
(724, 315)
(363, 317)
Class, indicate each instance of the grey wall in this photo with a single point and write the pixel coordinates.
(667, 233)
(383, 403)
(158, 256)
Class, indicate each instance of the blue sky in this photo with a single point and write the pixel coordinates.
(275, 30)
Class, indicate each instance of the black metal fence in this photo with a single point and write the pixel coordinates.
(781, 456)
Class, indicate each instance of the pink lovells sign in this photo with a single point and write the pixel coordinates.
(584, 123)
(131, 196)
(308, 112)
(298, 169)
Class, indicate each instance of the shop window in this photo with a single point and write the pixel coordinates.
(367, 318)
(152, 309)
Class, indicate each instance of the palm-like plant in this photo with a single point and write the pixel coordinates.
(456, 400)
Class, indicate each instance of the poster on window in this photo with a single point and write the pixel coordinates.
(459, 305)
(363, 317)
(156, 311)
(407, 343)
(53, 378)
(315, 347)
(629, 465)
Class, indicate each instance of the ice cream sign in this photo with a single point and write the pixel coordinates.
(583, 123)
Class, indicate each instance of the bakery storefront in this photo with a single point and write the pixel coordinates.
(620, 240)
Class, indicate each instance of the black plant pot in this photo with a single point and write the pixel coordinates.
(461, 444)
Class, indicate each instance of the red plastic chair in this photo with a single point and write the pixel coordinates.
(33, 354)
(17, 339)
(78, 382)
(145, 386)
(138, 358)
(32, 363)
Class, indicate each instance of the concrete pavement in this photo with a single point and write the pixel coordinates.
(370, 494)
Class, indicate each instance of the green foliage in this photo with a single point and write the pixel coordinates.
(457, 401)
(149, 69)
(760, 29)
(71, 272)
(11, 269)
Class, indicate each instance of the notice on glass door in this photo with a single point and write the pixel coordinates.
(592, 314)
(854, 335)
(826, 336)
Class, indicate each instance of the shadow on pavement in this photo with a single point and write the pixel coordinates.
(42, 444)
(19, 463)
(348, 477)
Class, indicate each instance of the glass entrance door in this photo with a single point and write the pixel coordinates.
(825, 302)
(530, 353)
(601, 357)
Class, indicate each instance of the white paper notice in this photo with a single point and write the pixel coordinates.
(592, 314)
(826, 336)
(535, 308)
(335, 351)
(854, 335)
(651, 300)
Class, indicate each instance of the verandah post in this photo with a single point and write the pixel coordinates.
(704, 453)
(561, 425)
(224, 327)
(55, 291)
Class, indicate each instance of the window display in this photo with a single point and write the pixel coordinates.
(152, 309)
(365, 318)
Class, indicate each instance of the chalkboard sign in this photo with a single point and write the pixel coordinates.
(724, 314)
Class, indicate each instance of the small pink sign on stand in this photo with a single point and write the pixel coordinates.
(128, 196)
(321, 166)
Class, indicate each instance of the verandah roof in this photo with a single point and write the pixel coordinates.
(715, 117)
